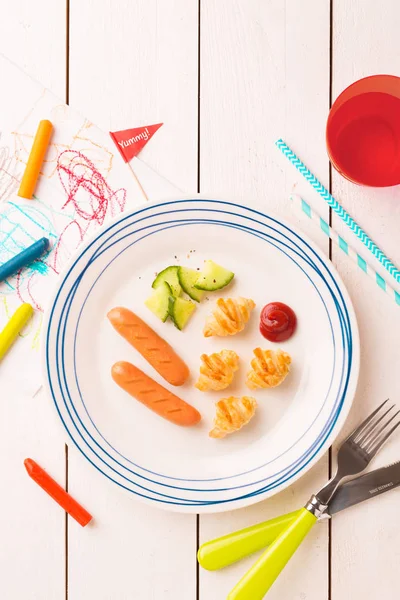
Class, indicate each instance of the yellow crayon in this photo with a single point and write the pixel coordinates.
(13, 327)
(35, 160)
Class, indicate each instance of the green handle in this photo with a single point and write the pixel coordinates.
(257, 581)
(230, 548)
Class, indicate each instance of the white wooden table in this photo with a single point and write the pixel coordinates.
(227, 77)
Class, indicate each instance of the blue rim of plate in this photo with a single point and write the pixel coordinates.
(110, 236)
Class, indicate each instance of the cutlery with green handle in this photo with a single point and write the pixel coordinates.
(284, 534)
(258, 580)
(228, 549)
(354, 455)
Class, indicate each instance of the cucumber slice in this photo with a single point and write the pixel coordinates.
(213, 277)
(187, 278)
(170, 275)
(180, 311)
(158, 302)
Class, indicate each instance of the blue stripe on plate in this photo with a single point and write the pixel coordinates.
(344, 321)
(62, 345)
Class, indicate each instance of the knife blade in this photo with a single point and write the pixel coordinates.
(365, 486)
(224, 551)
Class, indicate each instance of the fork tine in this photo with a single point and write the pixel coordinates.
(374, 435)
(378, 445)
(362, 438)
(365, 423)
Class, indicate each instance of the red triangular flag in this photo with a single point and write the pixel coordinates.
(130, 141)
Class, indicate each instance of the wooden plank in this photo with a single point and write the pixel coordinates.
(33, 35)
(32, 526)
(139, 59)
(265, 75)
(365, 543)
(134, 63)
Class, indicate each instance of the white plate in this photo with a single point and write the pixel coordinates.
(182, 468)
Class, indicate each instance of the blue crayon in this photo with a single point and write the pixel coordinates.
(24, 258)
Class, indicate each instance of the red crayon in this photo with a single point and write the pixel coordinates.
(58, 494)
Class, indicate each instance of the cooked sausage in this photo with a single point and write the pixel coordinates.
(150, 345)
(153, 395)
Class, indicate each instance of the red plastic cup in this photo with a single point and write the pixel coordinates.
(363, 131)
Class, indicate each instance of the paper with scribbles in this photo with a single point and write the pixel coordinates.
(83, 184)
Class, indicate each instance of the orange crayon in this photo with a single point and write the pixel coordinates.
(58, 493)
(35, 160)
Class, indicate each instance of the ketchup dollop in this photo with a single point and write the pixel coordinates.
(277, 322)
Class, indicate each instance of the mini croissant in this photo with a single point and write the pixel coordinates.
(232, 414)
(229, 317)
(217, 370)
(269, 368)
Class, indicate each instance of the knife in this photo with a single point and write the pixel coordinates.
(228, 549)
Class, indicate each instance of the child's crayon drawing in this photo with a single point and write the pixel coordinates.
(83, 184)
(86, 201)
(9, 174)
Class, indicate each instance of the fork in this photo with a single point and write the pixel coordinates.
(354, 455)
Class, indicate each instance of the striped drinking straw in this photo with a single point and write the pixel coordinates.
(303, 207)
(343, 214)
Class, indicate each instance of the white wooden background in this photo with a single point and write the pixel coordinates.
(227, 77)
